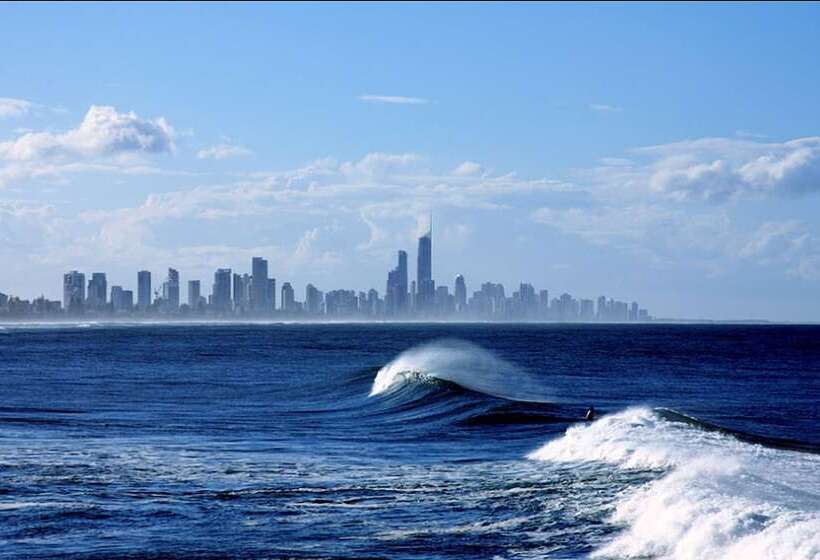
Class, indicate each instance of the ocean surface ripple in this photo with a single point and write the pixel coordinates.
(409, 441)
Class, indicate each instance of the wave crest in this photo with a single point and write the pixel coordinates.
(465, 365)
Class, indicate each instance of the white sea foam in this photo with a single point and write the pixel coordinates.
(720, 498)
(463, 364)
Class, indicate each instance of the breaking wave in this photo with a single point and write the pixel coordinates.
(716, 496)
(464, 365)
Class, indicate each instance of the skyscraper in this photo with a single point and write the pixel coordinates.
(143, 289)
(260, 302)
(396, 296)
(222, 290)
(118, 300)
(460, 293)
(242, 292)
(424, 272)
(97, 291)
(194, 293)
(313, 299)
(288, 300)
(170, 291)
(271, 294)
(73, 291)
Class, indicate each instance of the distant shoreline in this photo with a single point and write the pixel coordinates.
(296, 322)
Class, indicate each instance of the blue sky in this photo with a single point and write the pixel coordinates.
(665, 153)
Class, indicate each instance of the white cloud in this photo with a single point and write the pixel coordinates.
(715, 170)
(604, 108)
(10, 107)
(607, 225)
(394, 99)
(384, 192)
(105, 141)
(379, 165)
(223, 151)
(775, 240)
(103, 132)
(467, 168)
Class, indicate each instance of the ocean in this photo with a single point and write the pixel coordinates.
(416, 441)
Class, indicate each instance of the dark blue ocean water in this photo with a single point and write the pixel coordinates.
(409, 441)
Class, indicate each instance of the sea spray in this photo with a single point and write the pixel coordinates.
(466, 365)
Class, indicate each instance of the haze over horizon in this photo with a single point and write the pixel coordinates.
(668, 154)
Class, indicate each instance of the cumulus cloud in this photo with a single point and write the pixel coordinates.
(102, 132)
(382, 192)
(467, 168)
(10, 107)
(721, 169)
(394, 99)
(380, 165)
(106, 141)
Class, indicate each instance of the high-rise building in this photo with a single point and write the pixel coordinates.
(170, 291)
(242, 286)
(424, 273)
(444, 302)
(460, 293)
(527, 300)
(544, 304)
(97, 291)
(633, 311)
(341, 303)
(143, 289)
(374, 304)
(396, 296)
(122, 301)
(603, 309)
(313, 300)
(260, 301)
(587, 310)
(73, 291)
(288, 299)
(194, 293)
(128, 300)
(271, 294)
(221, 299)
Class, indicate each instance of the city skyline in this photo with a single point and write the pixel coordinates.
(598, 165)
(242, 296)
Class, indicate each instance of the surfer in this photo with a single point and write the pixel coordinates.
(590, 415)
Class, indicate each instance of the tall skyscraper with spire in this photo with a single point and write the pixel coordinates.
(424, 272)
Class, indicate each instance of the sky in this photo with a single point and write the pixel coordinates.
(668, 154)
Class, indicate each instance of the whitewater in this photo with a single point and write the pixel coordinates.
(716, 497)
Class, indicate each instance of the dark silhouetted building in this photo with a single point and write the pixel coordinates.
(143, 290)
(221, 294)
(97, 296)
(260, 301)
(396, 296)
(288, 298)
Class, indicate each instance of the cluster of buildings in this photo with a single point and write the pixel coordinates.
(254, 296)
